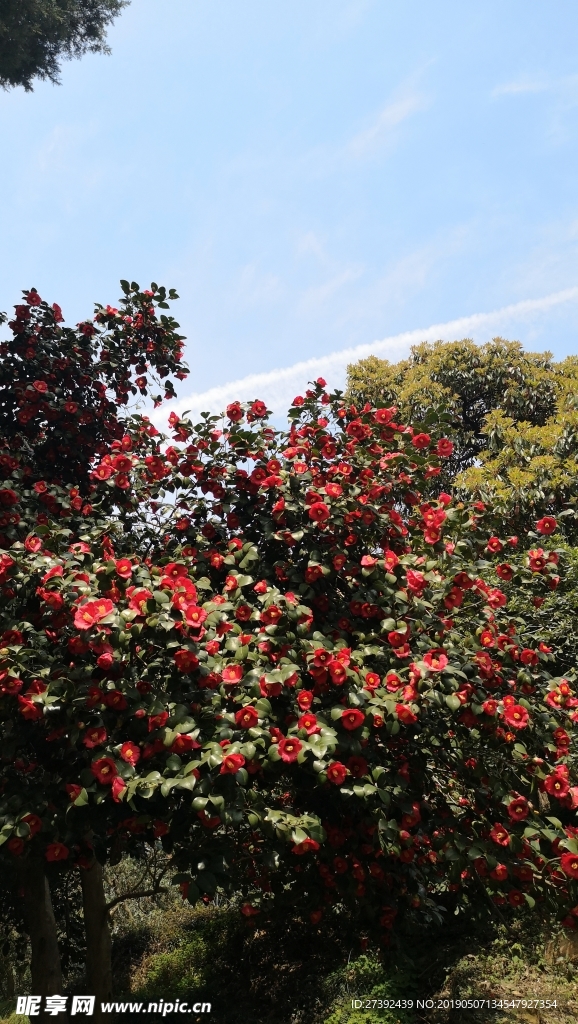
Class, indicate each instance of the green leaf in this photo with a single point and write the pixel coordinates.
(555, 822)
(193, 893)
(453, 702)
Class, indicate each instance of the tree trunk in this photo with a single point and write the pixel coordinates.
(98, 938)
(45, 961)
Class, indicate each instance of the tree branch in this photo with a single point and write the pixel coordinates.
(135, 895)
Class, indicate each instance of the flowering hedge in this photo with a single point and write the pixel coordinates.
(265, 649)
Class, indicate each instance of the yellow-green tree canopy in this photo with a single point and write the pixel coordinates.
(514, 416)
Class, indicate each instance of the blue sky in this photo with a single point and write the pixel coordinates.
(311, 176)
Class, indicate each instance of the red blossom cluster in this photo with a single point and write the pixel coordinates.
(269, 652)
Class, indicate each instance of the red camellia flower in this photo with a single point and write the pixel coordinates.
(371, 681)
(504, 571)
(357, 766)
(336, 773)
(29, 709)
(516, 716)
(8, 497)
(305, 699)
(130, 752)
(122, 463)
(232, 674)
(89, 614)
(158, 721)
(416, 582)
(11, 636)
(547, 525)
(528, 657)
(115, 699)
(73, 790)
(16, 846)
(235, 412)
(338, 673)
(183, 743)
(392, 682)
(248, 910)
(405, 714)
(258, 409)
(322, 658)
(421, 441)
(436, 661)
(352, 719)
(271, 615)
(308, 721)
(34, 823)
(557, 784)
(306, 846)
(11, 685)
(516, 898)
(569, 864)
(56, 851)
(494, 545)
(537, 560)
(319, 512)
(500, 835)
(518, 808)
(499, 873)
(444, 447)
(94, 737)
(231, 764)
(185, 660)
(102, 472)
(117, 789)
(289, 748)
(33, 544)
(243, 613)
(104, 770)
(384, 416)
(138, 599)
(368, 561)
(124, 568)
(561, 737)
(194, 616)
(247, 717)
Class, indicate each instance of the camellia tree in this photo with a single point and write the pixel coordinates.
(267, 651)
(62, 399)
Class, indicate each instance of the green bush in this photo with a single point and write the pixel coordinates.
(367, 979)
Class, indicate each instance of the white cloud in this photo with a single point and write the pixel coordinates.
(256, 288)
(388, 118)
(278, 387)
(522, 85)
(318, 295)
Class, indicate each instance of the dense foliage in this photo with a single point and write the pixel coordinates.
(36, 35)
(514, 419)
(267, 650)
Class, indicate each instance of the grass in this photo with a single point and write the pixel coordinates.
(289, 972)
(292, 973)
